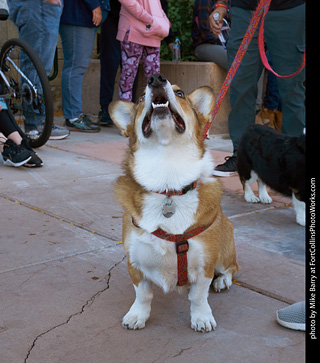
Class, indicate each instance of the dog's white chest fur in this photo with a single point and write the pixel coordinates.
(158, 168)
(157, 260)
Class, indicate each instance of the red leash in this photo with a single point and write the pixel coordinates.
(261, 9)
(263, 53)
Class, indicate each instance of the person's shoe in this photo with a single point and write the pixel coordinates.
(104, 118)
(59, 133)
(82, 124)
(293, 316)
(228, 168)
(15, 155)
(35, 161)
(4, 14)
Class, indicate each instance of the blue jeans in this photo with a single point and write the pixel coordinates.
(285, 38)
(77, 45)
(38, 24)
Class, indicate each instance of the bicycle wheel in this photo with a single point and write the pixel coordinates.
(27, 91)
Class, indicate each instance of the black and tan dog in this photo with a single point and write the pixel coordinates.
(276, 160)
(174, 232)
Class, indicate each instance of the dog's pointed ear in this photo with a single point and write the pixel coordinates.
(122, 114)
(202, 100)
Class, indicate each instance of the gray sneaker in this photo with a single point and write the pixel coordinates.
(293, 316)
(59, 133)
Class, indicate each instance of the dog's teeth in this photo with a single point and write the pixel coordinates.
(156, 105)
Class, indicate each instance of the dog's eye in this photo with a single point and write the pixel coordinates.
(142, 97)
(180, 93)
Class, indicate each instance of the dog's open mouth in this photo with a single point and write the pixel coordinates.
(161, 107)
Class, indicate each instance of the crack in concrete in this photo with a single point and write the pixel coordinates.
(87, 304)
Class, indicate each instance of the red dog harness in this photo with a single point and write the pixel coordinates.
(182, 247)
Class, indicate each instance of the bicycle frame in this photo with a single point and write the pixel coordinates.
(11, 90)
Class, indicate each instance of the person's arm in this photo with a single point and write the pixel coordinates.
(137, 10)
(222, 9)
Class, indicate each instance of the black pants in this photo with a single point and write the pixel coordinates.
(6, 125)
(110, 58)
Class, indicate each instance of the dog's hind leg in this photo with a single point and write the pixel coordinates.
(263, 194)
(249, 196)
(300, 209)
(140, 310)
(202, 319)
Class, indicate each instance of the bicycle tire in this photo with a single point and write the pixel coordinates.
(41, 101)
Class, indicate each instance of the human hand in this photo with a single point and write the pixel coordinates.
(96, 16)
(214, 26)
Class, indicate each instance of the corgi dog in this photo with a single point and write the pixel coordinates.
(276, 160)
(174, 232)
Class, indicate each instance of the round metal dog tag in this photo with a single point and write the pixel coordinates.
(168, 207)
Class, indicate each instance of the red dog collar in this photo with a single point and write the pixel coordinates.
(182, 247)
(184, 190)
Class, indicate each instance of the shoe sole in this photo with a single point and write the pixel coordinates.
(224, 173)
(9, 162)
(293, 326)
(74, 129)
(61, 137)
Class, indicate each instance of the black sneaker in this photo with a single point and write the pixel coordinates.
(228, 168)
(15, 155)
(35, 161)
(104, 118)
(82, 124)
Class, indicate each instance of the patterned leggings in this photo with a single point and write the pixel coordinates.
(131, 53)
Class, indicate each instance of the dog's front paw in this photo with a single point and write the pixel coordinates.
(251, 198)
(133, 321)
(224, 281)
(265, 198)
(203, 322)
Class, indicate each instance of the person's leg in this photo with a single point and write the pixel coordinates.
(110, 58)
(38, 24)
(129, 70)
(151, 61)
(77, 44)
(285, 38)
(212, 53)
(243, 89)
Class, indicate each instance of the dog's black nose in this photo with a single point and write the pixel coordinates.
(157, 80)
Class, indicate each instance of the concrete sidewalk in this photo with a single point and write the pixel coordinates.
(64, 286)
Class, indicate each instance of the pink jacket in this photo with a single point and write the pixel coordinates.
(136, 15)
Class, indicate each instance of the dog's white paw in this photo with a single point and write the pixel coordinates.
(301, 219)
(133, 321)
(265, 199)
(300, 209)
(203, 322)
(222, 282)
(251, 198)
